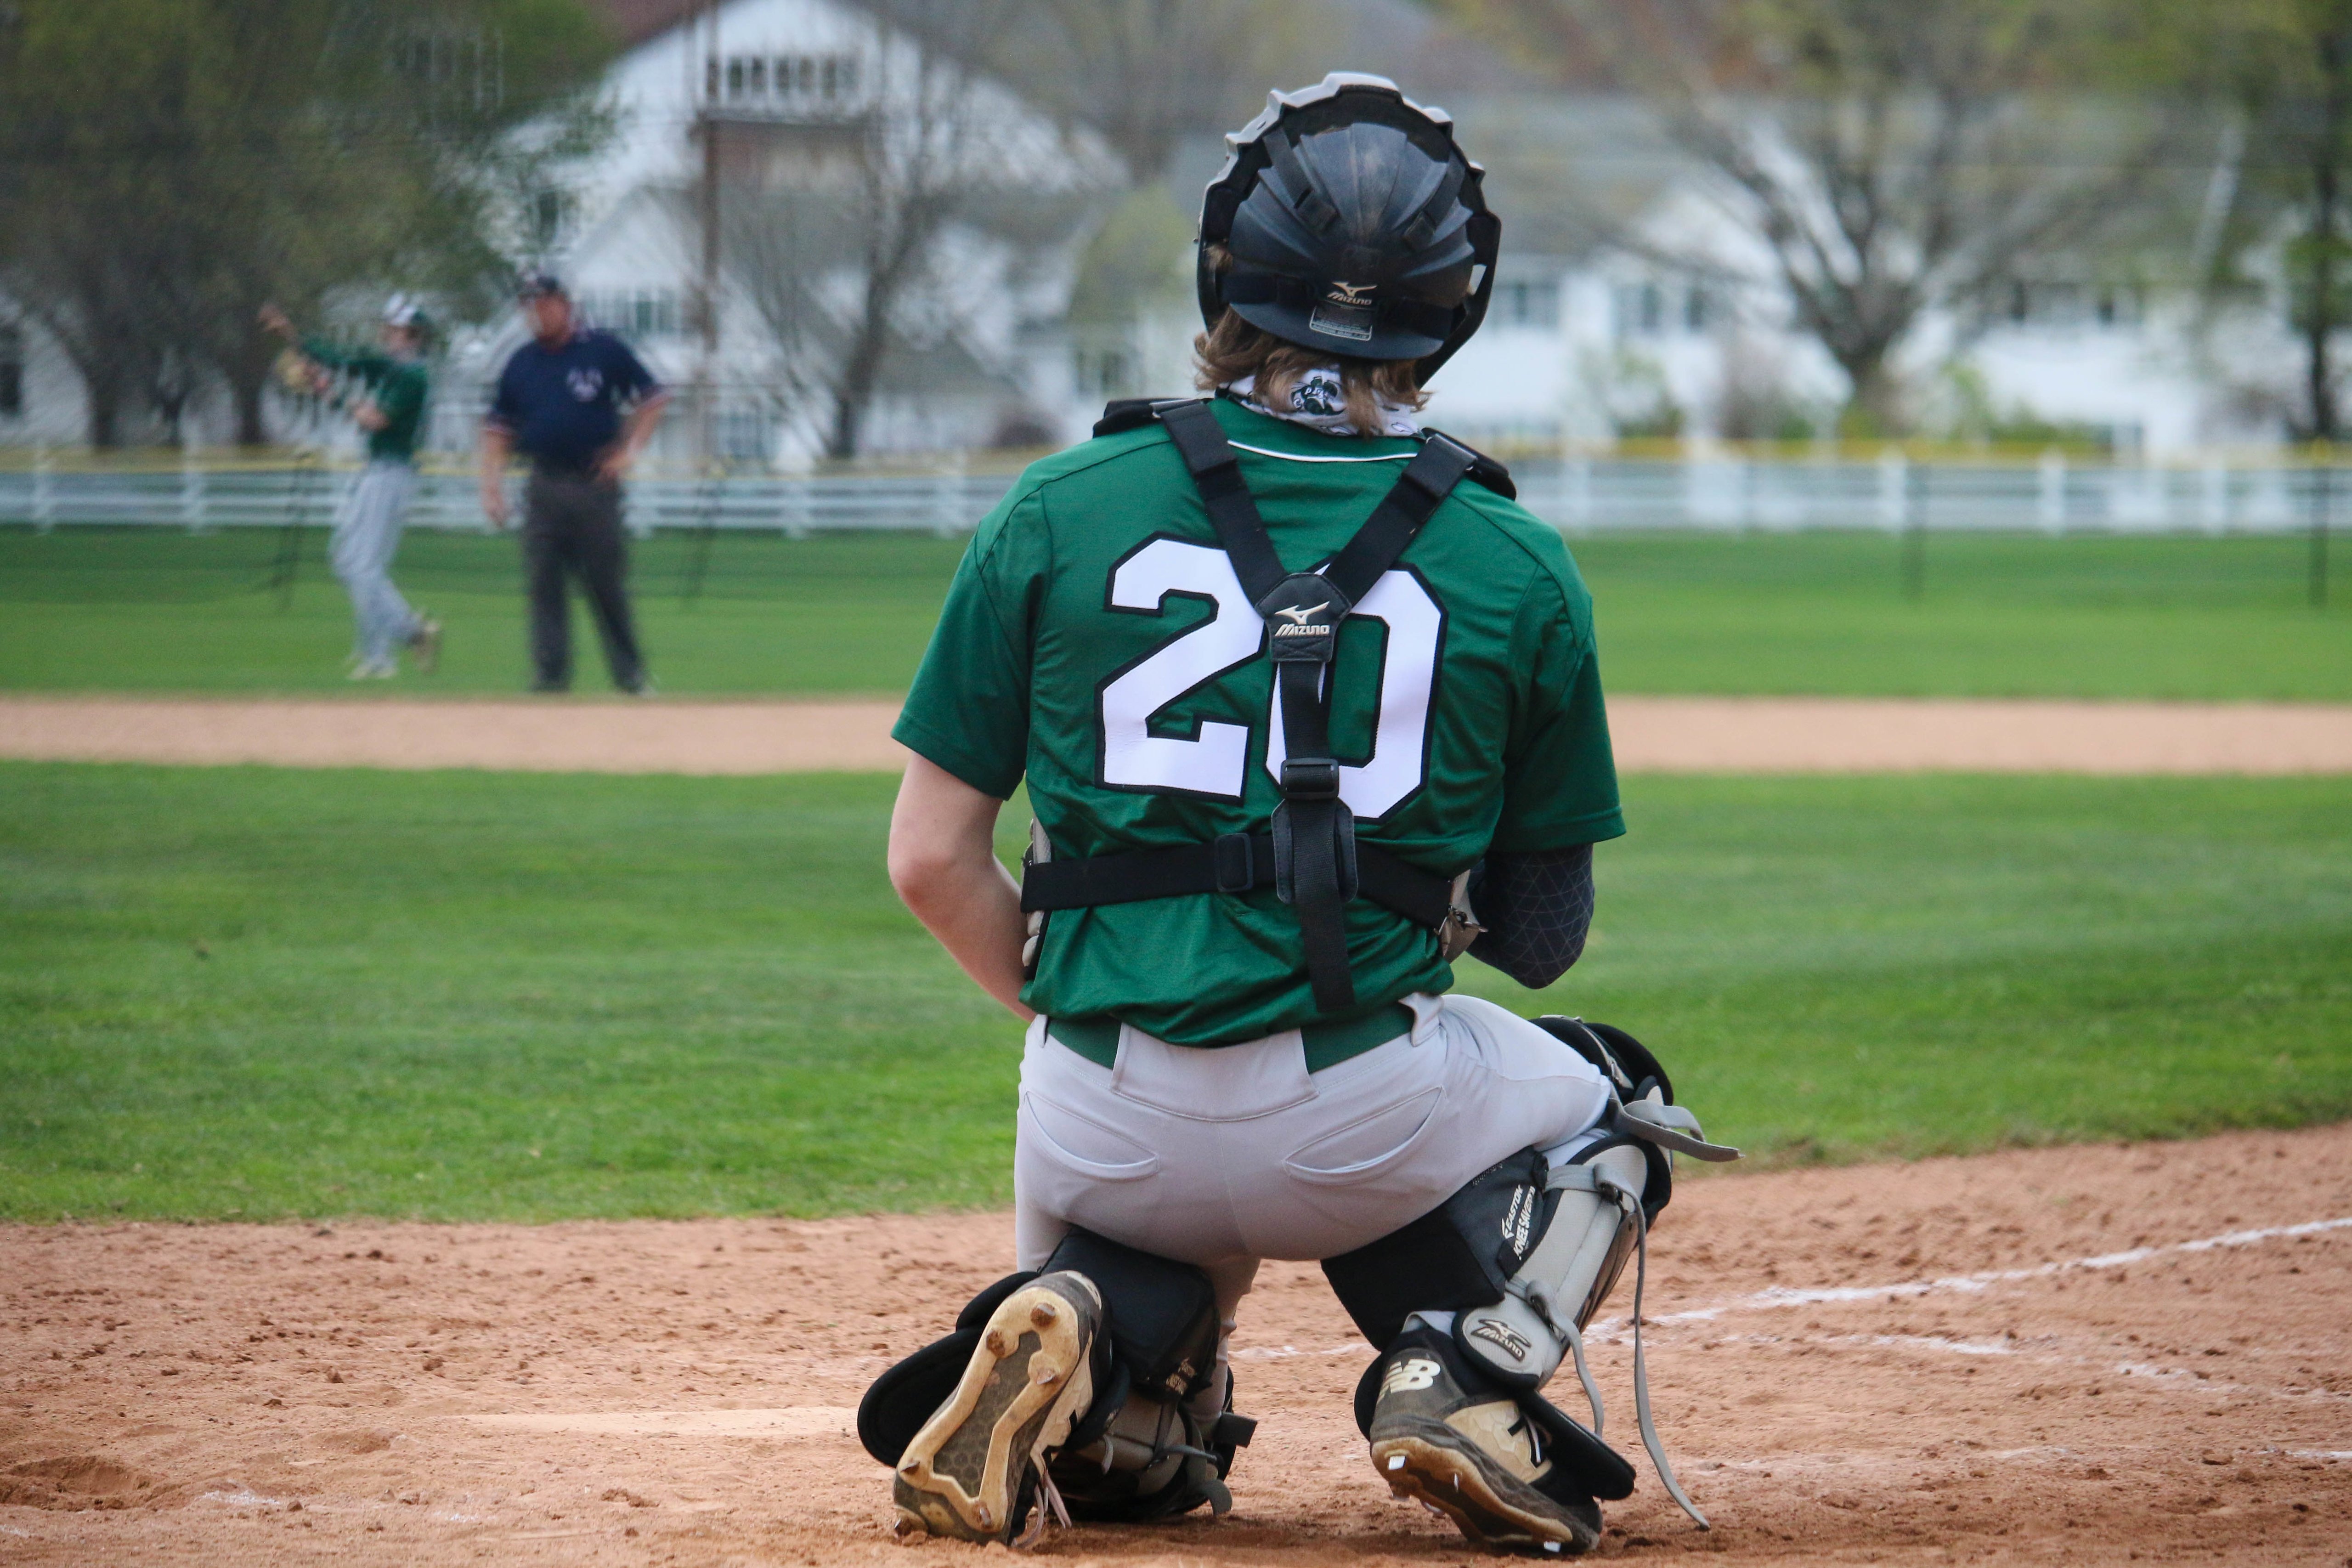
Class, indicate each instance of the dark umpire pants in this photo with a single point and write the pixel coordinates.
(571, 526)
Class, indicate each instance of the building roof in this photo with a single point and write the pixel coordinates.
(635, 22)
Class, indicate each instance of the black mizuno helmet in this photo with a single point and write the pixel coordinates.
(1356, 225)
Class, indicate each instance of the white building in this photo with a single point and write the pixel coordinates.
(800, 136)
(1028, 307)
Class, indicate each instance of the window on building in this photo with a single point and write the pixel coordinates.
(828, 79)
(744, 435)
(549, 211)
(1519, 302)
(12, 370)
(632, 312)
(1640, 310)
(2043, 302)
(1698, 309)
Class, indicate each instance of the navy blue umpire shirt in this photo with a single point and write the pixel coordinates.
(562, 405)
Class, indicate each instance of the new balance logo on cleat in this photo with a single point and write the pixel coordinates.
(1408, 1375)
(1445, 1436)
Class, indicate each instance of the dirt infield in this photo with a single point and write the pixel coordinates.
(1670, 734)
(2100, 1354)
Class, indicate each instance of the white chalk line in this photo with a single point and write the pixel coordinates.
(1783, 1296)
(2182, 1380)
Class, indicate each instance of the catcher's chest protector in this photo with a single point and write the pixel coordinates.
(1311, 856)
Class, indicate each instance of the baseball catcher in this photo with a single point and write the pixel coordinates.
(1308, 707)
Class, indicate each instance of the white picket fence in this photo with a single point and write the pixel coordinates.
(1578, 494)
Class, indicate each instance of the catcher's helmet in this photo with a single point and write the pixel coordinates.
(1355, 223)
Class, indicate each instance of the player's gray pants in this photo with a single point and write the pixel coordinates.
(1224, 1156)
(367, 533)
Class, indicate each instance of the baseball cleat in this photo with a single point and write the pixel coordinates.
(424, 645)
(972, 1471)
(1445, 1436)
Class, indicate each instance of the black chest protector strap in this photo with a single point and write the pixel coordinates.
(1316, 866)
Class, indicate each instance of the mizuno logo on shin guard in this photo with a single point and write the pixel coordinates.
(1501, 1335)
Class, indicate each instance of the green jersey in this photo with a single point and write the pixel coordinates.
(396, 387)
(1097, 642)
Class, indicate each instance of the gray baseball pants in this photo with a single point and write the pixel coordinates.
(1221, 1157)
(366, 534)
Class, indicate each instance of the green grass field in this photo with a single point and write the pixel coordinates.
(262, 992)
(2001, 615)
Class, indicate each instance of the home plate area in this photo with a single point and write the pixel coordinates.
(2136, 1353)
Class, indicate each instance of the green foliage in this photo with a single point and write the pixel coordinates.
(1893, 162)
(2001, 615)
(1974, 418)
(2279, 74)
(166, 167)
(258, 993)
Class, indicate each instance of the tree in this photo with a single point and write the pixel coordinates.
(1142, 74)
(172, 163)
(861, 263)
(2286, 199)
(1887, 161)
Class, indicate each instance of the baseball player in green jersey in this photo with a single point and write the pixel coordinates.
(392, 388)
(1306, 706)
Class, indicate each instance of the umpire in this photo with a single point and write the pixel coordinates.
(580, 405)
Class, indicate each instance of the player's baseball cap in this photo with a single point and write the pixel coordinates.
(537, 282)
(406, 310)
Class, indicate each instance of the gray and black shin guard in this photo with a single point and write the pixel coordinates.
(1601, 1204)
(1515, 1313)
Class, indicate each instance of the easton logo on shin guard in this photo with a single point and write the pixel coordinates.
(1504, 1337)
(1519, 1220)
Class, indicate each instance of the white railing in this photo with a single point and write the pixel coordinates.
(1578, 494)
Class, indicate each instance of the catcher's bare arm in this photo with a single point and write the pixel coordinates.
(943, 862)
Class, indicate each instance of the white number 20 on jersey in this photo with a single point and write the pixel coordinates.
(1214, 761)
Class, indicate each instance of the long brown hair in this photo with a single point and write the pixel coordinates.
(1235, 349)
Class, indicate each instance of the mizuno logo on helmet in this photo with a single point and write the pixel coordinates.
(1356, 294)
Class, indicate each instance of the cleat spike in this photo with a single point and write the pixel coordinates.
(1043, 1315)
